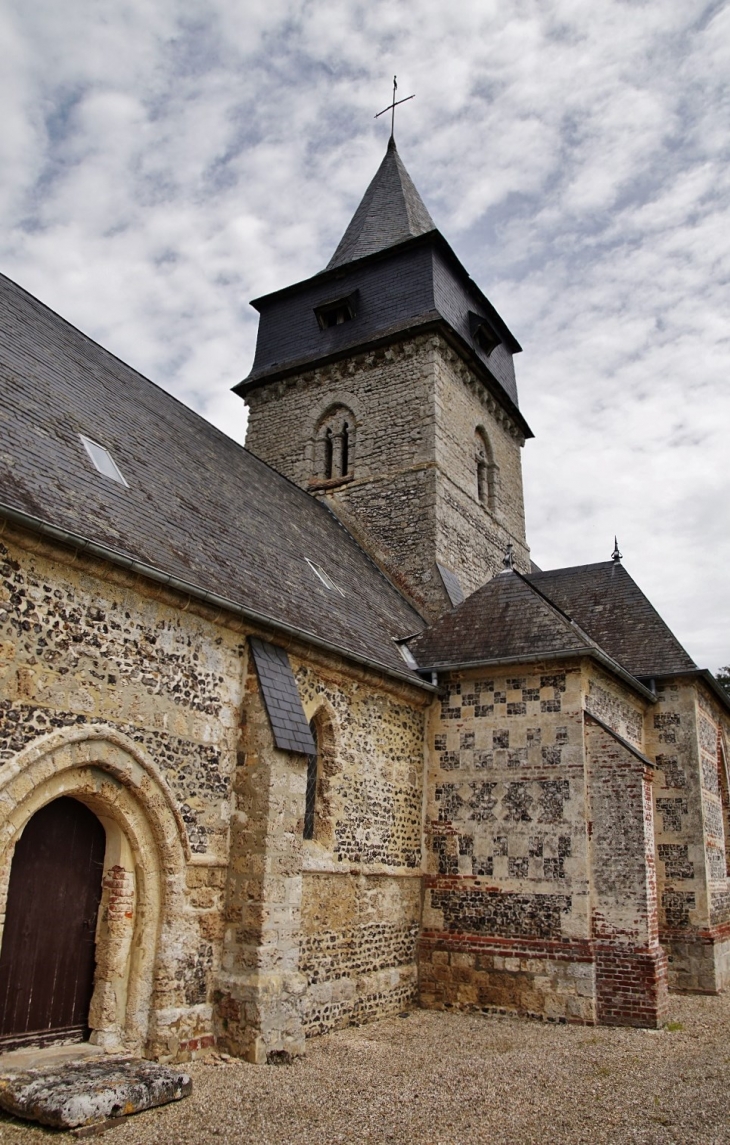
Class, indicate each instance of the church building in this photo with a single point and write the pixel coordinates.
(297, 736)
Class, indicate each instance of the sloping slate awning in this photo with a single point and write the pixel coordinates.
(281, 698)
(452, 584)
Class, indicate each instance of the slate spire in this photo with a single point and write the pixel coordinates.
(391, 211)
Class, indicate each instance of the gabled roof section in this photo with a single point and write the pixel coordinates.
(505, 620)
(197, 507)
(390, 212)
(608, 604)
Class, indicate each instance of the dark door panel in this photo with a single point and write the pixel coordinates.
(47, 957)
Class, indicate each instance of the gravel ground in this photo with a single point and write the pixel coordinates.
(454, 1079)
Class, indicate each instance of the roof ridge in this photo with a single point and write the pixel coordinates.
(572, 568)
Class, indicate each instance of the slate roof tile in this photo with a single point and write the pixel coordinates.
(199, 506)
(391, 210)
(609, 605)
(281, 697)
(503, 620)
(561, 610)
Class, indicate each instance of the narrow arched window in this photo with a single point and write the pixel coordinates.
(334, 445)
(345, 450)
(487, 472)
(310, 798)
(482, 483)
(328, 452)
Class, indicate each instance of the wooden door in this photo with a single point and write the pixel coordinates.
(47, 956)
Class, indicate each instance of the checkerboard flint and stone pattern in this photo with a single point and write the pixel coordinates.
(503, 751)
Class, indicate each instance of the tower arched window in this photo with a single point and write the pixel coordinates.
(328, 454)
(486, 472)
(334, 445)
(345, 466)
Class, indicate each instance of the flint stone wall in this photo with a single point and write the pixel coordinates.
(361, 890)
(684, 734)
(83, 646)
(540, 849)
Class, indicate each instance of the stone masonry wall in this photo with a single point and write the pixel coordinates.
(412, 492)
(694, 894)
(264, 937)
(472, 537)
(540, 896)
(507, 897)
(361, 892)
(631, 967)
(83, 648)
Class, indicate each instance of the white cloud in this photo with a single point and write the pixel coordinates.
(163, 163)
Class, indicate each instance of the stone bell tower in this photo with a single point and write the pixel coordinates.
(385, 385)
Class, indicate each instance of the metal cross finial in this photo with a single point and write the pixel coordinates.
(616, 555)
(392, 106)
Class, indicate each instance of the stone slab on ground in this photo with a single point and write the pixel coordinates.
(82, 1093)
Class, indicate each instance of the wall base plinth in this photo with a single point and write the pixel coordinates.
(258, 1017)
(631, 986)
(699, 963)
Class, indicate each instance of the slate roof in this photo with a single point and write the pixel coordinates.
(504, 620)
(608, 604)
(390, 212)
(596, 609)
(198, 506)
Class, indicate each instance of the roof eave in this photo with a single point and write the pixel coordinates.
(537, 657)
(695, 673)
(122, 560)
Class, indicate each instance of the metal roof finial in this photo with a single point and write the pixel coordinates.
(616, 555)
(392, 106)
(508, 559)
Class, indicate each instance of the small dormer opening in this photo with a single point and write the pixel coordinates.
(325, 578)
(483, 333)
(102, 460)
(336, 312)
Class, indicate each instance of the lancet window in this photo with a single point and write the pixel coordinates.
(335, 445)
(310, 798)
(486, 471)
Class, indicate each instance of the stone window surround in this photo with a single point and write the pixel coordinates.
(487, 471)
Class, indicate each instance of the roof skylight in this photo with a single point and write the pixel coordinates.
(324, 577)
(102, 460)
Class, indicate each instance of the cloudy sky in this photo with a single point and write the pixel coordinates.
(165, 161)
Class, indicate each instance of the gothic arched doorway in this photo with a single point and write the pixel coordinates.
(47, 957)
